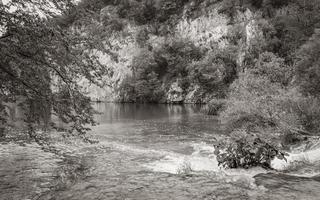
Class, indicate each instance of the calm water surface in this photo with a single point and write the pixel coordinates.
(145, 152)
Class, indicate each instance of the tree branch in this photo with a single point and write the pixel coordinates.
(21, 81)
(6, 36)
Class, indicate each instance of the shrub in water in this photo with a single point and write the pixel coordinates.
(247, 152)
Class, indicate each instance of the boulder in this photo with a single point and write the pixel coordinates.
(175, 94)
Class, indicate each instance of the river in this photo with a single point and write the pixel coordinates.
(149, 152)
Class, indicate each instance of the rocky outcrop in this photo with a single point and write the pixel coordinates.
(208, 30)
(194, 95)
(175, 94)
(205, 30)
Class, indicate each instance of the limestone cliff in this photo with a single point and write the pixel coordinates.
(201, 24)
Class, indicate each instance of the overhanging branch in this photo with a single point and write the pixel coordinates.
(5, 36)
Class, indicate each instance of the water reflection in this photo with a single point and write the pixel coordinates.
(113, 112)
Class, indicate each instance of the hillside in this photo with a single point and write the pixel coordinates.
(190, 51)
(166, 51)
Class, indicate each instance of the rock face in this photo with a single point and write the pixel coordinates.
(96, 93)
(194, 95)
(208, 30)
(175, 94)
(197, 95)
(205, 30)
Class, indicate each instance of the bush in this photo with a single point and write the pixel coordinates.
(295, 24)
(247, 152)
(149, 11)
(308, 110)
(114, 25)
(148, 90)
(214, 107)
(126, 91)
(143, 90)
(144, 84)
(273, 67)
(276, 99)
(261, 106)
(308, 66)
(259, 99)
(267, 109)
(214, 71)
(251, 101)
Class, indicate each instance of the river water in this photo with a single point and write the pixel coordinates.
(149, 152)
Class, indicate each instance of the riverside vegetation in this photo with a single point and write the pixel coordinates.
(255, 63)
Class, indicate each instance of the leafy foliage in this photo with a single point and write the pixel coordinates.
(295, 24)
(308, 66)
(144, 85)
(264, 71)
(154, 71)
(214, 107)
(215, 70)
(276, 94)
(149, 11)
(248, 152)
(274, 68)
(42, 61)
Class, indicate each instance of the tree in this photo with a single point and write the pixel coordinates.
(308, 66)
(144, 84)
(295, 24)
(273, 67)
(42, 61)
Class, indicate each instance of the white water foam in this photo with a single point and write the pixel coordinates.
(134, 149)
(177, 164)
(309, 157)
(202, 159)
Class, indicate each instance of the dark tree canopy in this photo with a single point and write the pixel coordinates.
(41, 62)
